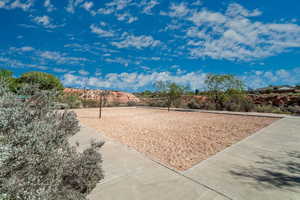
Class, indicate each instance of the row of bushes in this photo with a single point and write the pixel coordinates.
(243, 106)
(230, 104)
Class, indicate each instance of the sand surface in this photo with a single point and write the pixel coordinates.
(176, 139)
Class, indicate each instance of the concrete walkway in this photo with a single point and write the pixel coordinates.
(263, 166)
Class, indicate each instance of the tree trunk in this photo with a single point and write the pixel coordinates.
(100, 106)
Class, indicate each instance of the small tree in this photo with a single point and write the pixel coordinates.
(102, 100)
(44, 80)
(221, 86)
(170, 91)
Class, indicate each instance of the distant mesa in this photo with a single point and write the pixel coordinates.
(113, 97)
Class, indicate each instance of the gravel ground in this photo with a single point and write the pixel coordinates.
(176, 139)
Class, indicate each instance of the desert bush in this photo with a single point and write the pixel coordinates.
(114, 104)
(237, 101)
(90, 103)
(36, 159)
(193, 104)
(268, 109)
(131, 103)
(293, 109)
(158, 103)
(208, 106)
(72, 100)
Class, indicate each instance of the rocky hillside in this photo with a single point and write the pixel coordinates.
(276, 99)
(113, 97)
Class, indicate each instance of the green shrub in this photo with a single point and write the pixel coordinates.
(131, 103)
(209, 106)
(36, 159)
(238, 102)
(158, 103)
(115, 104)
(90, 103)
(293, 109)
(193, 104)
(269, 109)
(72, 100)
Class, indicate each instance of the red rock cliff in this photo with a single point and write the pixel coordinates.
(113, 97)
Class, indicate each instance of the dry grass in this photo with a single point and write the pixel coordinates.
(177, 139)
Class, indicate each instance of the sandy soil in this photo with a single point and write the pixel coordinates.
(176, 139)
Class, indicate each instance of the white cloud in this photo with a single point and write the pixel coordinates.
(83, 72)
(72, 4)
(88, 5)
(138, 42)
(101, 32)
(127, 17)
(49, 6)
(259, 79)
(120, 60)
(148, 6)
(43, 20)
(10, 5)
(235, 9)
(51, 55)
(232, 35)
(105, 11)
(205, 16)
(59, 70)
(178, 10)
(195, 80)
(7, 62)
(27, 48)
(21, 49)
(46, 22)
(61, 58)
(119, 4)
(117, 7)
(135, 81)
(197, 3)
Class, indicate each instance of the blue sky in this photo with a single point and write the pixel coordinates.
(130, 44)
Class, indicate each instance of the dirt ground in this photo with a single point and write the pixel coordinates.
(177, 139)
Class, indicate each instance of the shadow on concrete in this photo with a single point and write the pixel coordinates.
(280, 172)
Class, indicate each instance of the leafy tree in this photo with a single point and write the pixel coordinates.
(170, 91)
(36, 159)
(44, 80)
(221, 87)
(7, 76)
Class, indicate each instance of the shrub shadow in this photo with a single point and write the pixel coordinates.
(280, 172)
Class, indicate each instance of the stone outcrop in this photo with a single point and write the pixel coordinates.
(114, 97)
